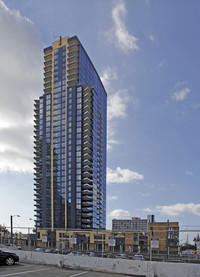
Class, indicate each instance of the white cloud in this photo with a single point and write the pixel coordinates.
(21, 82)
(189, 172)
(151, 37)
(119, 34)
(122, 175)
(117, 104)
(110, 198)
(148, 210)
(111, 142)
(177, 209)
(146, 194)
(119, 214)
(109, 75)
(181, 94)
(116, 108)
(161, 64)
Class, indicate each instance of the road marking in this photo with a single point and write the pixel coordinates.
(18, 273)
(77, 274)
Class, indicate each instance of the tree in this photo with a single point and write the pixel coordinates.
(4, 229)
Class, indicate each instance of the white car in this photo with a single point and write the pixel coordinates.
(138, 257)
(13, 247)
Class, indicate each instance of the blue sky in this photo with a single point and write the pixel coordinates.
(147, 54)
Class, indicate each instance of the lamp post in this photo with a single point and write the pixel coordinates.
(11, 227)
(35, 232)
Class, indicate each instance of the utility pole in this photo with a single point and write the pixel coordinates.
(11, 227)
(167, 242)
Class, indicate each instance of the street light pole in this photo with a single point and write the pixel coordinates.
(11, 227)
(35, 231)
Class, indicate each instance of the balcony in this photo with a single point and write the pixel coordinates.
(87, 120)
(87, 138)
(86, 220)
(37, 194)
(87, 114)
(47, 84)
(87, 180)
(73, 81)
(48, 56)
(86, 209)
(87, 96)
(46, 90)
(87, 198)
(47, 63)
(87, 126)
(86, 150)
(38, 201)
(38, 185)
(87, 214)
(72, 64)
(87, 144)
(87, 192)
(73, 53)
(87, 163)
(36, 116)
(87, 204)
(87, 102)
(48, 73)
(73, 47)
(87, 108)
(87, 90)
(48, 51)
(87, 168)
(47, 68)
(37, 158)
(87, 156)
(87, 174)
(72, 70)
(86, 226)
(87, 186)
(73, 58)
(72, 76)
(87, 132)
(47, 79)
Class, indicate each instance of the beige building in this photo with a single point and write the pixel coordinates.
(166, 234)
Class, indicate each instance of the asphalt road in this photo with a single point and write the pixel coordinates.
(30, 270)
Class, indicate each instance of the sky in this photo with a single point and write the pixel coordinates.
(147, 55)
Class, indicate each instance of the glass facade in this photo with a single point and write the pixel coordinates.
(70, 141)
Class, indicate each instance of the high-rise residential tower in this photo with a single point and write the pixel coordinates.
(70, 141)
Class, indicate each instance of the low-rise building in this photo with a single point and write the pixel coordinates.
(164, 236)
(133, 224)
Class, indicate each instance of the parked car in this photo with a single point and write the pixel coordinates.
(89, 254)
(65, 251)
(57, 251)
(40, 249)
(13, 246)
(138, 257)
(8, 258)
(110, 255)
(75, 253)
(121, 256)
(49, 250)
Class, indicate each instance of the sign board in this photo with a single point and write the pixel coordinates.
(154, 243)
(73, 240)
(44, 238)
(198, 245)
(111, 242)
